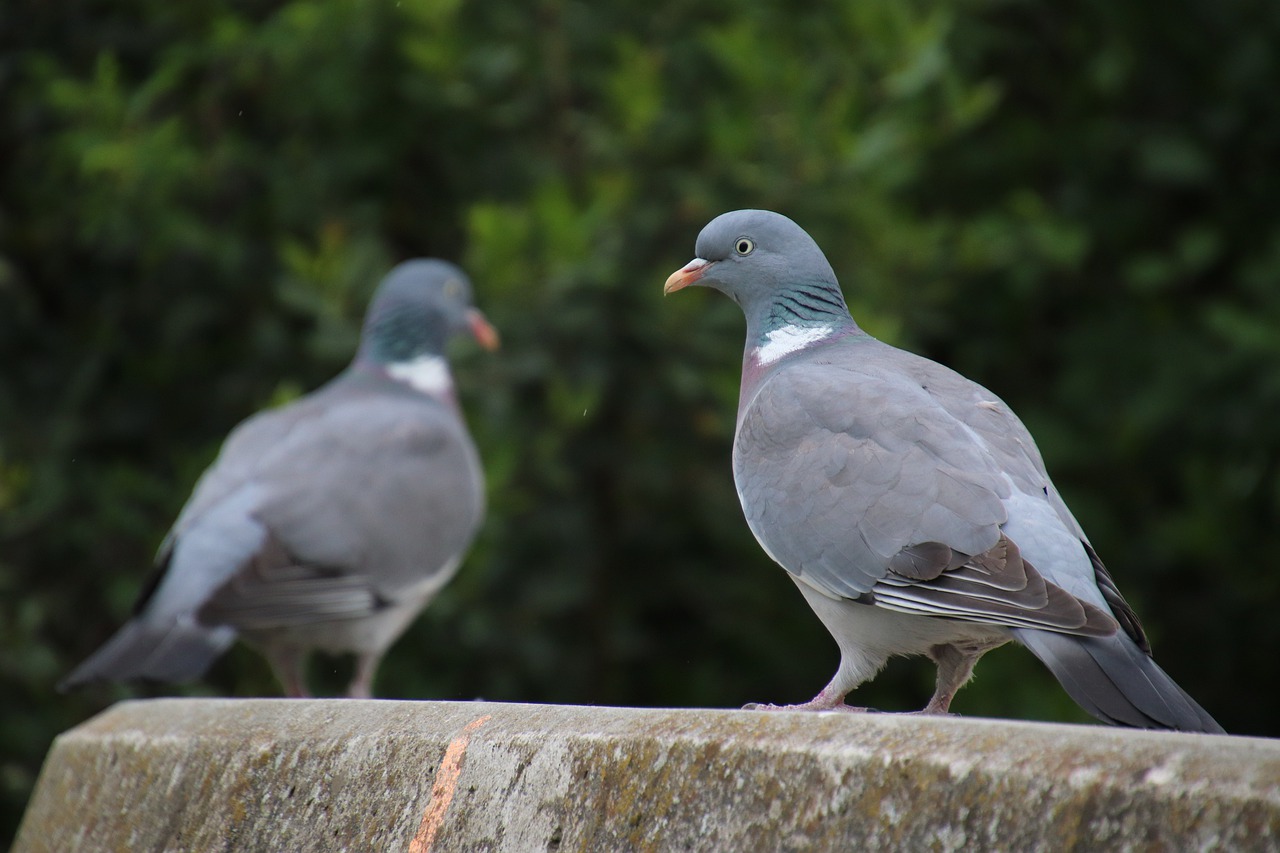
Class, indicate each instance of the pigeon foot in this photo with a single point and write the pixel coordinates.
(806, 706)
(930, 712)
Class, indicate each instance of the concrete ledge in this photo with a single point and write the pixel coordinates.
(179, 774)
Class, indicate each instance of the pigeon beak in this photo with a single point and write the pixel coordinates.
(682, 278)
(485, 334)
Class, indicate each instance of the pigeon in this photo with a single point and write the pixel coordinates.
(909, 504)
(329, 523)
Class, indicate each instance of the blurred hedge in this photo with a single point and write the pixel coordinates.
(1075, 205)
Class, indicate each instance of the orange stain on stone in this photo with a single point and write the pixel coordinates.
(442, 789)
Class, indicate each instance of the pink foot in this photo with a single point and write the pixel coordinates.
(806, 706)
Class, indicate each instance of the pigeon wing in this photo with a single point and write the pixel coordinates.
(370, 498)
(862, 484)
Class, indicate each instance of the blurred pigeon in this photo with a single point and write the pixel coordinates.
(910, 505)
(327, 524)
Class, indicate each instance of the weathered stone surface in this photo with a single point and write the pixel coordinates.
(278, 775)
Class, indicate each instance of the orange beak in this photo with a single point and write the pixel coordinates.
(682, 278)
(485, 334)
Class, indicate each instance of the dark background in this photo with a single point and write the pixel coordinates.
(1075, 206)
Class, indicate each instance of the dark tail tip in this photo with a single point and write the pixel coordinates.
(175, 652)
(1115, 681)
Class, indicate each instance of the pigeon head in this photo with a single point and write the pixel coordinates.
(416, 309)
(775, 271)
(752, 256)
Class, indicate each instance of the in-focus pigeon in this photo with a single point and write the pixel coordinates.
(909, 504)
(327, 524)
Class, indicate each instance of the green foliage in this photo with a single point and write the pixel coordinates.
(1073, 204)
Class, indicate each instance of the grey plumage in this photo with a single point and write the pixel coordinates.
(908, 503)
(328, 523)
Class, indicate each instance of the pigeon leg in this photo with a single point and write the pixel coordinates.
(361, 686)
(288, 663)
(955, 668)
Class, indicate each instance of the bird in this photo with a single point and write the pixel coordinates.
(329, 523)
(909, 504)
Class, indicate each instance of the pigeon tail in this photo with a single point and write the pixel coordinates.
(1115, 681)
(180, 651)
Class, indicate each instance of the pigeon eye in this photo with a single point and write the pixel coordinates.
(744, 246)
(453, 288)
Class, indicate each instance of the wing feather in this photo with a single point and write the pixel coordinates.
(883, 491)
(359, 498)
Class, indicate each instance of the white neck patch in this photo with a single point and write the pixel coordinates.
(788, 339)
(426, 373)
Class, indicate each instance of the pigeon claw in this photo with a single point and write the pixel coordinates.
(806, 706)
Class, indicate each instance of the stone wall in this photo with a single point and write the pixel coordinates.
(273, 775)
